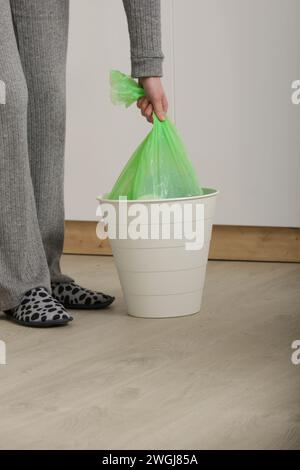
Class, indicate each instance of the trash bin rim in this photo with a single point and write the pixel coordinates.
(208, 192)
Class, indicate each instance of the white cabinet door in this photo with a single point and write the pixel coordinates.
(234, 62)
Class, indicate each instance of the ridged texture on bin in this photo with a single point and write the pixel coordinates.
(144, 24)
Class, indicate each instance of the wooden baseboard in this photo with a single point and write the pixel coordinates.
(245, 243)
(229, 242)
(81, 239)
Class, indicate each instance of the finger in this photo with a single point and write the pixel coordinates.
(165, 104)
(149, 112)
(140, 101)
(158, 109)
(144, 106)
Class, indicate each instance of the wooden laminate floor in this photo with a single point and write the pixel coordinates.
(220, 379)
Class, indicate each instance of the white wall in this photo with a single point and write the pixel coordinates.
(228, 71)
(100, 136)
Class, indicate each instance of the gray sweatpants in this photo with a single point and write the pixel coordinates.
(33, 43)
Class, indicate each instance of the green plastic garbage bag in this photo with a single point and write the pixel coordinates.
(160, 167)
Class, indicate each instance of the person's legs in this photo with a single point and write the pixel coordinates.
(41, 28)
(32, 59)
(23, 263)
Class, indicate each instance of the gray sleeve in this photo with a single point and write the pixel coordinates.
(144, 24)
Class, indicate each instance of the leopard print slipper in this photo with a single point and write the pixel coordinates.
(39, 309)
(73, 296)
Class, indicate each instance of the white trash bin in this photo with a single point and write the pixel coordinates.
(160, 277)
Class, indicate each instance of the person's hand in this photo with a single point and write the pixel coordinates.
(155, 99)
